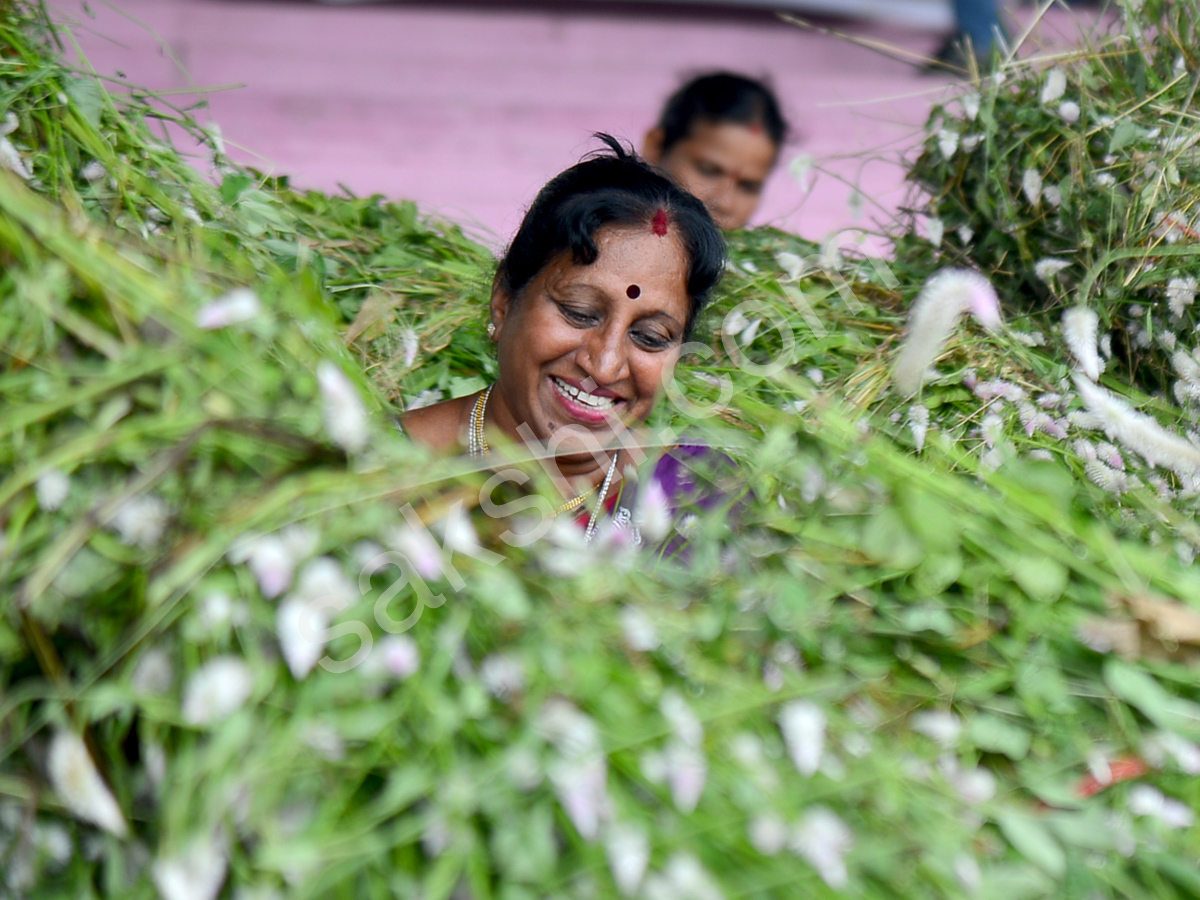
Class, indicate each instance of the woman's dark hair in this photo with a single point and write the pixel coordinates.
(721, 97)
(612, 188)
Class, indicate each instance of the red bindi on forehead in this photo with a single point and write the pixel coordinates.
(659, 225)
(755, 128)
(633, 292)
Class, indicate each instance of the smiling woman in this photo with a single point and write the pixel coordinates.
(590, 308)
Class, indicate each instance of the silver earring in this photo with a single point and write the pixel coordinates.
(491, 330)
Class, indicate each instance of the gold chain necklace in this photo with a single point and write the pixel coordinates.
(477, 445)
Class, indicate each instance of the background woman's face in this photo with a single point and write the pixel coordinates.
(724, 164)
(583, 344)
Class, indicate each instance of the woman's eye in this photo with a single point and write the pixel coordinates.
(651, 341)
(577, 316)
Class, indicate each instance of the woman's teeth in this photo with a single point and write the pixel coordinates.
(583, 398)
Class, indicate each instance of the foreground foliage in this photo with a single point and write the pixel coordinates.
(875, 686)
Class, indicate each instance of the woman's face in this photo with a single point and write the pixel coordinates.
(584, 344)
(724, 164)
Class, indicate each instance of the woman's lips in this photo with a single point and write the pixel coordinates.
(583, 406)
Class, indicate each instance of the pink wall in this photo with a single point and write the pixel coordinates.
(468, 109)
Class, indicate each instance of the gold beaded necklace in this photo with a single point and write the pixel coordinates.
(477, 445)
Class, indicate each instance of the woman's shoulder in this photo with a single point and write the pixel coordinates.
(439, 426)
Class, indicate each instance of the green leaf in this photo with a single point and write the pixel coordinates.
(887, 539)
(1040, 577)
(87, 97)
(1148, 697)
(462, 386)
(928, 617)
(936, 573)
(1033, 840)
(525, 848)
(1123, 135)
(997, 735)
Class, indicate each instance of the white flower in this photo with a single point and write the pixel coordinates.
(79, 784)
(418, 546)
(457, 532)
(502, 676)
(397, 655)
(52, 488)
(628, 851)
(974, 786)
(683, 879)
(1031, 184)
(653, 513)
(944, 297)
(1030, 338)
(10, 124)
(1181, 293)
(768, 833)
(967, 871)
(1185, 753)
(93, 171)
(571, 731)
(195, 873)
(324, 579)
(935, 230)
(793, 266)
(301, 626)
(1052, 194)
(684, 723)
(1054, 86)
(345, 416)
(687, 773)
(1080, 326)
(803, 725)
(638, 631)
(734, 323)
(1145, 800)
(11, 159)
(1069, 110)
(970, 141)
(823, 840)
(1047, 269)
(799, 168)
(272, 564)
(1139, 432)
(239, 305)
(970, 105)
(411, 345)
(325, 740)
(1107, 179)
(942, 727)
(965, 234)
(947, 142)
(141, 521)
(216, 690)
(918, 422)
(425, 398)
(581, 784)
(154, 673)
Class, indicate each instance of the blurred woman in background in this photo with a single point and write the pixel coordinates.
(719, 137)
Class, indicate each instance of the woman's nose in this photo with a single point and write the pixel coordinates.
(720, 201)
(604, 357)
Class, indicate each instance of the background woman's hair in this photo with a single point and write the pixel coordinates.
(612, 188)
(721, 97)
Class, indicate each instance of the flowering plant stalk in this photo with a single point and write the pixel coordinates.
(254, 643)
